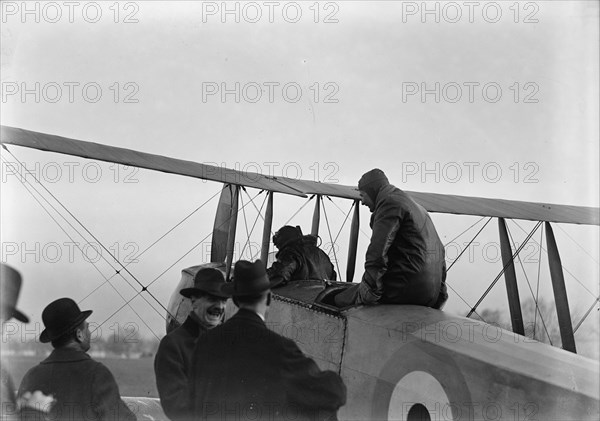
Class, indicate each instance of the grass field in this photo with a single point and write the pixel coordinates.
(135, 377)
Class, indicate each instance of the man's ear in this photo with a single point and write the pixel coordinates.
(79, 334)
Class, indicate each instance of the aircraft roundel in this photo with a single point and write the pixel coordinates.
(416, 394)
(413, 385)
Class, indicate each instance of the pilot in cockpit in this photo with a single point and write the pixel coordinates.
(299, 258)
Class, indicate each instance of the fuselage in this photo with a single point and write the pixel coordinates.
(401, 360)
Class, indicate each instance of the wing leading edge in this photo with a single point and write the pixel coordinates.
(433, 202)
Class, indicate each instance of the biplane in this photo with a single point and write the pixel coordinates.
(399, 362)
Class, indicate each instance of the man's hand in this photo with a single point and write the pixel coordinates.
(36, 400)
(366, 296)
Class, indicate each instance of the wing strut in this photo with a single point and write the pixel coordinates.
(560, 292)
(353, 244)
(232, 227)
(266, 239)
(221, 226)
(510, 277)
(316, 216)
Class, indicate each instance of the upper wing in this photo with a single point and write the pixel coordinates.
(433, 202)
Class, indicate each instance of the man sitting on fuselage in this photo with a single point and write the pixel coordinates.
(405, 258)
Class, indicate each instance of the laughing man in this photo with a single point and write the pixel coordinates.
(173, 358)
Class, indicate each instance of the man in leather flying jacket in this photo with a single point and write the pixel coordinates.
(405, 259)
(299, 258)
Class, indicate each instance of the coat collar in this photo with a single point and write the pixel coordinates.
(248, 315)
(65, 355)
(193, 326)
(383, 193)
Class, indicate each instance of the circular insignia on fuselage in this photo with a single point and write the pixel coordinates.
(421, 378)
(418, 395)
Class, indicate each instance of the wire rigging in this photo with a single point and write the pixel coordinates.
(537, 307)
(564, 267)
(29, 189)
(579, 245)
(342, 227)
(247, 243)
(167, 269)
(454, 239)
(90, 233)
(342, 212)
(330, 237)
(298, 211)
(466, 248)
(503, 270)
(587, 313)
(156, 241)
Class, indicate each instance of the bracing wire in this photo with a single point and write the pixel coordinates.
(165, 271)
(343, 224)
(466, 248)
(79, 247)
(156, 241)
(253, 226)
(478, 221)
(330, 237)
(537, 307)
(487, 291)
(342, 212)
(90, 233)
(587, 313)
(564, 268)
(578, 245)
(298, 211)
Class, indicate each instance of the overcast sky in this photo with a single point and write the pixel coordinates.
(495, 99)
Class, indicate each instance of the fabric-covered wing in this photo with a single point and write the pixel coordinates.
(52, 143)
(433, 202)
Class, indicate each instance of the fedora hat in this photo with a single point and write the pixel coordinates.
(207, 281)
(249, 279)
(10, 281)
(61, 317)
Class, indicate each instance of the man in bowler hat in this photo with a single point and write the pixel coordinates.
(243, 370)
(405, 258)
(30, 405)
(173, 359)
(83, 388)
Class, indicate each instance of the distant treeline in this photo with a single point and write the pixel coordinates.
(117, 342)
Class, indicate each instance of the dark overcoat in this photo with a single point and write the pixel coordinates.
(405, 260)
(83, 388)
(172, 366)
(8, 409)
(242, 370)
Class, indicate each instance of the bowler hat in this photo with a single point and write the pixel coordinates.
(61, 317)
(10, 281)
(249, 279)
(207, 281)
